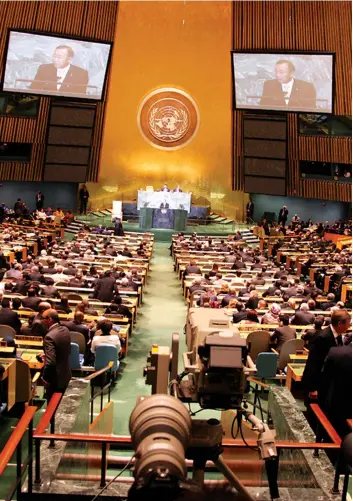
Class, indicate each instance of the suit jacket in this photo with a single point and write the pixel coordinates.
(238, 265)
(118, 230)
(270, 291)
(105, 289)
(75, 82)
(335, 394)
(258, 281)
(283, 334)
(252, 303)
(303, 318)
(192, 270)
(249, 209)
(226, 299)
(50, 291)
(239, 316)
(11, 318)
(303, 94)
(310, 337)
(57, 348)
(75, 327)
(35, 276)
(22, 287)
(283, 215)
(329, 304)
(312, 372)
(31, 302)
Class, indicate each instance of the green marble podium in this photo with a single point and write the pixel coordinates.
(162, 218)
(146, 217)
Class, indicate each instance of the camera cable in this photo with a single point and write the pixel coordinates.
(113, 479)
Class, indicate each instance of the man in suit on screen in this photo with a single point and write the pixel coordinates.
(286, 91)
(61, 76)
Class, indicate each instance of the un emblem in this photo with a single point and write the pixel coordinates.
(168, 118)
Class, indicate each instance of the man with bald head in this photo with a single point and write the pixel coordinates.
(57, 348)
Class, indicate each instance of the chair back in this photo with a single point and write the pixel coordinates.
(289, 347)
(75, 357)
(73, 296)
(79, 339)
(266, 365)
(24, 308)
(106, 353)
(61, 284)
(8, 332)
(258, 342)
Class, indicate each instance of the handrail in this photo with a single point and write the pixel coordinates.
(98, 373)
(16, 437)
(49, 412)
(325, 423)
(125, 440)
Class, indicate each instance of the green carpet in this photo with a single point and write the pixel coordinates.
(162, 313)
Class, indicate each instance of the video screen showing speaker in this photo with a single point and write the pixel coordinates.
(55, 66)
(288, 81)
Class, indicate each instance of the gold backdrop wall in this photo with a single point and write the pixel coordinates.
(185, 45)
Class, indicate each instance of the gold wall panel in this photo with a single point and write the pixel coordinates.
(184, 45)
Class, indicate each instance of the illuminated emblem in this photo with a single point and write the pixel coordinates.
(168, 118)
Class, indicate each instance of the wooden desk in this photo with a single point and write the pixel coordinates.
(294, 373)
(346, 287)
(29, 355)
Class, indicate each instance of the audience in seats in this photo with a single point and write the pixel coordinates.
(105, 335)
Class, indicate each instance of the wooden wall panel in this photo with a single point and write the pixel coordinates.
(306, 25)
(90, 19)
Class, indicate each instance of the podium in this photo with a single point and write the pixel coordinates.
(166, 210)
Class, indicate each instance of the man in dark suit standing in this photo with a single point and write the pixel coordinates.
(283, 215)
(118, 228)
(283, 333)
(39, 200)
(249, 211)
(84, 196)
(335, 394)
(61, 76)
(105, 288)
(57, 348)
(286, 91)
(327, 339)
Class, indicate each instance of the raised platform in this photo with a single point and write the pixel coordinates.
(165, 235)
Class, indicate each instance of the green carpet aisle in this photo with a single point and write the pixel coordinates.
(162, 313)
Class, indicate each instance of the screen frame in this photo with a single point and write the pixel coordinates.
(60, 36)
(289, 52)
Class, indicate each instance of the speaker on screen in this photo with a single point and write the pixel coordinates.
(53, 65)
(290, 81)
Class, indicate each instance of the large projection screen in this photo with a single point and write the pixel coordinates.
(283, 81)
(55, 66)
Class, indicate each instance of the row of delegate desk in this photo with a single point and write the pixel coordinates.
(195, 333)
(18, 370)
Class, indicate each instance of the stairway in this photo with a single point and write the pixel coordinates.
(216, 218)
(74, 227)
(249, 237)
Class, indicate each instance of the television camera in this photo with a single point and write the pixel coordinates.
(163, 433)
